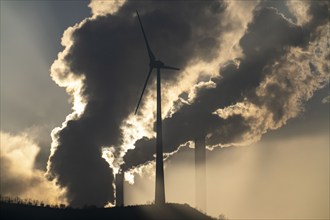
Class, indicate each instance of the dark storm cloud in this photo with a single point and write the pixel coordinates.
(269, 37)
(110, 53)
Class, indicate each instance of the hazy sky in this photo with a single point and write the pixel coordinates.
(284, 175)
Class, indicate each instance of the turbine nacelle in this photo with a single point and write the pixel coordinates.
(156, 64)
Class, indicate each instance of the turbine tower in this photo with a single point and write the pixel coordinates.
(153, 63)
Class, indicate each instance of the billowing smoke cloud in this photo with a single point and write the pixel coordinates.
(103, 67)
(104, 64)
(18, 177)
(326, 100)
(104, 7)
(283, 64)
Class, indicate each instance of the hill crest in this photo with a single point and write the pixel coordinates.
(168, 211)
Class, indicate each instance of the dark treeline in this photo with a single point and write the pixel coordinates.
(17, 208)
(29, 202)
(13, 208)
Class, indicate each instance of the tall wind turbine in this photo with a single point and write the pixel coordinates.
(153, 63)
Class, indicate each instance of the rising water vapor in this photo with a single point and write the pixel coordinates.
(246, 68)
(100, 68)
(283, 65)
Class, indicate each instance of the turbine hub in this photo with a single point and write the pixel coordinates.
(156, 64)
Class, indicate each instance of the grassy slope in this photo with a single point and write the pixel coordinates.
(145, 212)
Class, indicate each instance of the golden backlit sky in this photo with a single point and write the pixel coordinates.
(285, 175)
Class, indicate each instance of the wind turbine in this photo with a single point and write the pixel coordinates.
(153, 63)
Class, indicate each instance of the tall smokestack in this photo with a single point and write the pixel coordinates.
(120, 189)
(200, 166)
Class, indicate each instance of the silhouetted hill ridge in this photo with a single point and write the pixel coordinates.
(168, 211)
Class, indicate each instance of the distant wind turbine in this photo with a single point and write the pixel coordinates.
(153, 63)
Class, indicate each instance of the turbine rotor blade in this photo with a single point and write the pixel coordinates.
(144, 87)
(151, 55)
(170, 67)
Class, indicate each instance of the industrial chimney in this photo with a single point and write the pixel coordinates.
(200, 169)
(120, 189)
